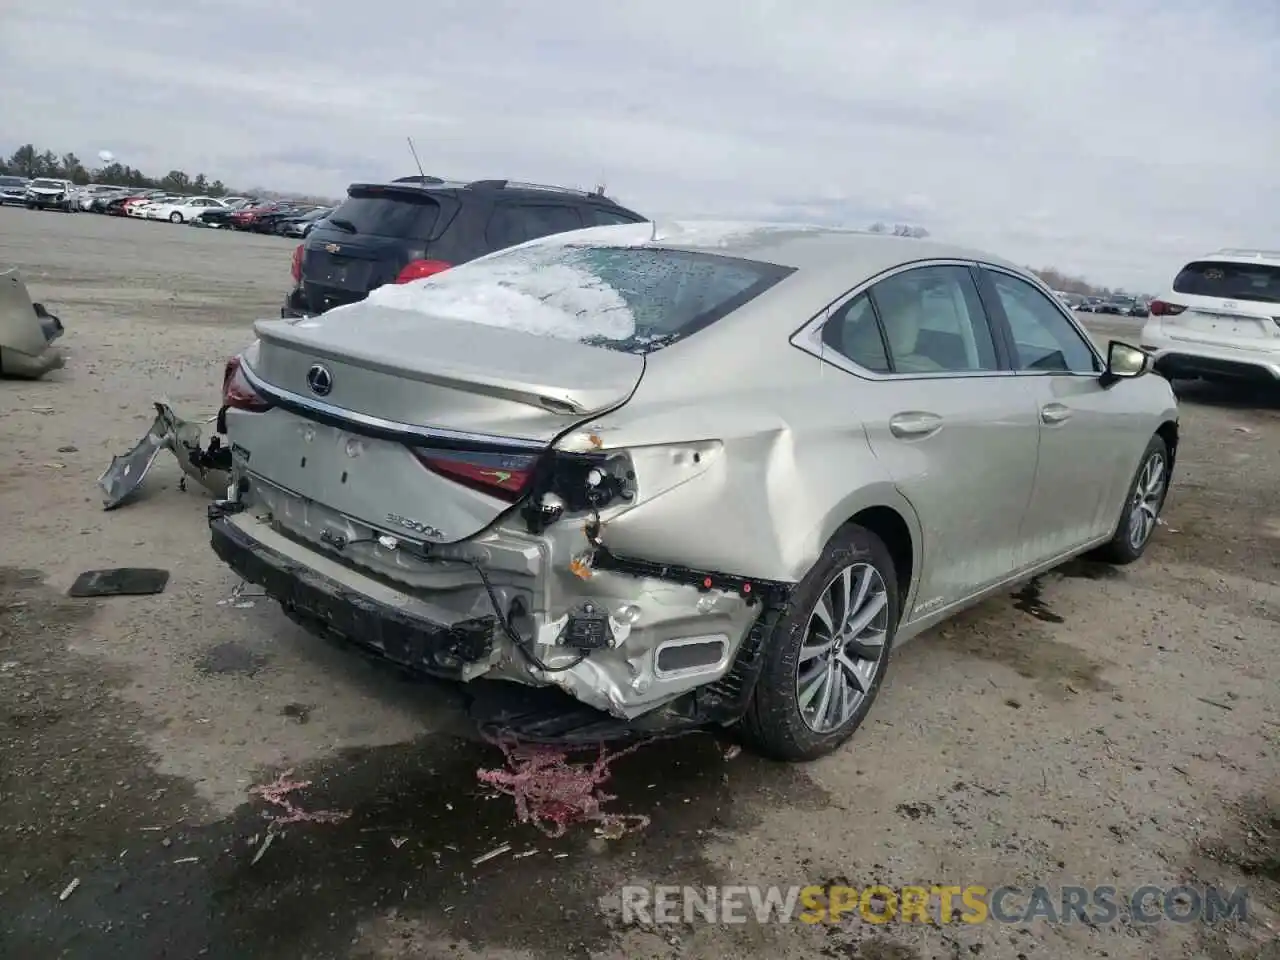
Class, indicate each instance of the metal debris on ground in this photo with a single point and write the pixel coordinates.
(277, 792)
(209, 465)
(69, 889)
(552, 792)
(262, 849)
(240, 598)
(495, 852)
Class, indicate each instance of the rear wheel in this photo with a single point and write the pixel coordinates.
(1142, 506)
(828, 653)
(175, 217)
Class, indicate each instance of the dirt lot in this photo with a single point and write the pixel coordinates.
(1124, 730)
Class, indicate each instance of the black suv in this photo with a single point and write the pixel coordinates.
(418, 226)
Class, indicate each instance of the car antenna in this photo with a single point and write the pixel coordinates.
(413, 150)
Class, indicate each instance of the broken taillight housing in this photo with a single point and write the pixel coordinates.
(499, 474)
(238, 393)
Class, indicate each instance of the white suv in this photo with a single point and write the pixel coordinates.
(1221, 321)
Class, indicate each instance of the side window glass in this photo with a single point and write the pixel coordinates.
(506, 227)
(853, 332)
(603, 218)
(934, 322)
(1043, 338)
(544, 220)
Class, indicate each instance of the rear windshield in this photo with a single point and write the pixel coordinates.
(398, 214)
(1233, 281)
(632, 299)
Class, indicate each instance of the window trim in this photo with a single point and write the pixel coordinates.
(809, 336)
(995, 310)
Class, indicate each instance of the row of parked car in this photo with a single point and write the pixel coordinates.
(286, 218)
(1121, 305)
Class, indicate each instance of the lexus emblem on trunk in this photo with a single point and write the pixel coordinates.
(320, 380)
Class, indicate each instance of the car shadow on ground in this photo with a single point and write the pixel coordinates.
(1245, 396)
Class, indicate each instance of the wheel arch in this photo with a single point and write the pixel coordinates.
(1168, 432)
(884, 511)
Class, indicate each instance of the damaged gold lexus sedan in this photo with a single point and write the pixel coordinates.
(636, 478)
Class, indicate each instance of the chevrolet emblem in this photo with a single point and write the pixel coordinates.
(331, 248)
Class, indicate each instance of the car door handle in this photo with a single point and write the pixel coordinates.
(1055, 413)
(914, 423)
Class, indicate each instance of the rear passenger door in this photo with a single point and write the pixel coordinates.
(512, 223)
(955, 430)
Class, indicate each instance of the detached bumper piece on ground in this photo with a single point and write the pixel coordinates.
(208, 465)
(27, 332)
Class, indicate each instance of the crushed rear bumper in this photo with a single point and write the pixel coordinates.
(324, 606)
(399, 628)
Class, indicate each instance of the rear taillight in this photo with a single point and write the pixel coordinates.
(296, 267)
(421, 269)
(238, 393)
(501, 475)
(1163, 308)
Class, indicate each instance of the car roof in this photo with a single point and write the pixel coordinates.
(803, 246)
(1241, 255)
(507, 188)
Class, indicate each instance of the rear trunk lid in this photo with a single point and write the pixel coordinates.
(366, 394)
(1228, 324)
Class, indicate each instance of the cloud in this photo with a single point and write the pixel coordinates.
(1111, 139)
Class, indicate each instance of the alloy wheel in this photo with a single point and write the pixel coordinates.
(843, 646)
(1148, 495)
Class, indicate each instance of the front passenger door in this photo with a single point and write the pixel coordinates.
(1083, 470)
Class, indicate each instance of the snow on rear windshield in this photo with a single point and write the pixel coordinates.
(625, 298)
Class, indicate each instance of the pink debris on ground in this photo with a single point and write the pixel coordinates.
(553, 792)
(277, 793)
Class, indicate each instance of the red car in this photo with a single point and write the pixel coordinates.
(244, 218)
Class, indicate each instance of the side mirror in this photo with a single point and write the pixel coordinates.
(1124, 362)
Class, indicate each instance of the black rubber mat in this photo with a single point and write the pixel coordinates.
(120, 582)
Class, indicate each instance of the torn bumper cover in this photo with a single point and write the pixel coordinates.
(209, 466)
(27, 332)
(595, 687)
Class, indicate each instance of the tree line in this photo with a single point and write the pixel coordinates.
(29, 162)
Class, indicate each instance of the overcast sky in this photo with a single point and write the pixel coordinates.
(1111, 138)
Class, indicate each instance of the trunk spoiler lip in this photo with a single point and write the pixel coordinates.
(399, 432)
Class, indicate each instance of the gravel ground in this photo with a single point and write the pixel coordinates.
(1117, 727)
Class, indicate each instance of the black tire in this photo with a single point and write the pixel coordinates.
(773, 724)
(175, 217)
(1121, 549)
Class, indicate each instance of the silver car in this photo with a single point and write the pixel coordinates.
(682, 476)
